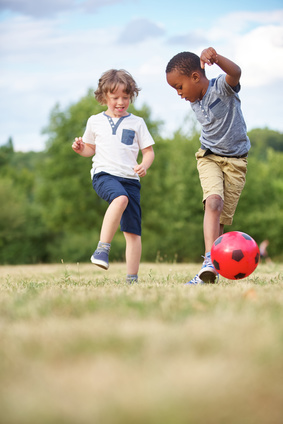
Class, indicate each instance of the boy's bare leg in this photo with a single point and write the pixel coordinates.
(211, 230)
(109, 227)
(133, 253)
(112, 218)
(211, 226)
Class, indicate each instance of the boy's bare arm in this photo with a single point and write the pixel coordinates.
(232, 71)
(83, 149)
(147, 159)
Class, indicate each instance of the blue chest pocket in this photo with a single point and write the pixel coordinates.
(128, 137)
(218, 108)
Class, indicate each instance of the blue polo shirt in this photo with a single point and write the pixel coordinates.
(219, 112)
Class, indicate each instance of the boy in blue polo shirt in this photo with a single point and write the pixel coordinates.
(114, 139)
(222, 157)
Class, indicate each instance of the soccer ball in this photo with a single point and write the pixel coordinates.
(235, 255)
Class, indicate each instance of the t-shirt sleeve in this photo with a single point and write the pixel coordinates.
(225, 88)
(89, 135)
(145, 138)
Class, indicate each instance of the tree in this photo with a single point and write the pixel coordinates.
(260, 210)
(22, 233)
(172, 206)
(6, 152)
(262, 139)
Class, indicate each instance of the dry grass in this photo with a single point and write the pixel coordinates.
(78, 345)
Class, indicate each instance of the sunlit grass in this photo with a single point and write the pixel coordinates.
(79, 345)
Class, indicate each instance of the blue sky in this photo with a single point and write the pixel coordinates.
(53, 52)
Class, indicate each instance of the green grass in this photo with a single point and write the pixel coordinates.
(80, 346)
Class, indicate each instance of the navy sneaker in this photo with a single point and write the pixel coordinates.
(195, 280)
(100, 258)
(208, 273)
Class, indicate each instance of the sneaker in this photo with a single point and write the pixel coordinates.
(195, 280)
(208, 273)
(131, 280)
(100, 258)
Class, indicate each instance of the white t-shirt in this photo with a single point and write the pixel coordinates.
(117, 141)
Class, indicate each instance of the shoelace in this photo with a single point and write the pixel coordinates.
(207, 261)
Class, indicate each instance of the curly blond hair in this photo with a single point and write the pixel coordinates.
(109, 82)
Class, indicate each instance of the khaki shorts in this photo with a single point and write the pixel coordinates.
(223, 176)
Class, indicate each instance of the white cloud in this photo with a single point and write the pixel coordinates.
(50, 8)
(93, 5)
(153, 66)
(139, 30)
(193, 39)
(26, 39)
(261, 107)
(261, 54)
(254, 40)
(241, 22)
(36, 8)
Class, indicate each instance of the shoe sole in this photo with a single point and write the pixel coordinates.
(99, 263)
(208, 276)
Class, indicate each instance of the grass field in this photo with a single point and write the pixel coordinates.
(80, 346)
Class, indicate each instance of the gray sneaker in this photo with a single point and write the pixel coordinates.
(208, 273)
(100, 258)
(131, 279)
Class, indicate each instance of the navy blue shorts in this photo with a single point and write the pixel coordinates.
(108, 187)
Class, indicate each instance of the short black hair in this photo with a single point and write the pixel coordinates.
(186, 63)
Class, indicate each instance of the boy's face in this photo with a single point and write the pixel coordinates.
(118, 102)
(187, 87)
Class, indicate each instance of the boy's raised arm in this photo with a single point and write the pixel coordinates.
(232, 70)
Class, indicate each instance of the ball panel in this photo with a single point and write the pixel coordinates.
(239, 276)
(216, 265)
(218, 240)
(237, 255)
(246, 236)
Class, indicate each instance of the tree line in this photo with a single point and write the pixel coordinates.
(49, 211)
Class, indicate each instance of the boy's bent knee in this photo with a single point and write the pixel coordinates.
(214, 203)
(122, 201)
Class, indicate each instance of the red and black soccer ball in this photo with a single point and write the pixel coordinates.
(235, 255)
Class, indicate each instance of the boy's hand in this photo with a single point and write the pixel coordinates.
(208, 56)
(140, 170)
(78, 145)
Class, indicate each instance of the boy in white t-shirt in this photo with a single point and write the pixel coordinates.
(114, 139)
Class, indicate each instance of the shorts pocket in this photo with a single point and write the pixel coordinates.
(128, 137)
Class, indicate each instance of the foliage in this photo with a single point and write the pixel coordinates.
(22, 233)
(260, 211)
(264, 139)
(50, 211)
(170, 227)
(6, 152)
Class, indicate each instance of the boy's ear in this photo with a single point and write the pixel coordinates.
(195, 76)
